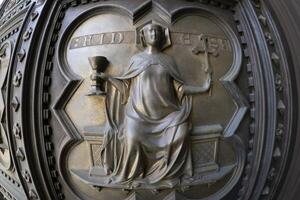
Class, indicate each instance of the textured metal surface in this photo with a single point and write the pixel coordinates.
(146, 99)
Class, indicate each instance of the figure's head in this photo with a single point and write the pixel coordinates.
(153, 35)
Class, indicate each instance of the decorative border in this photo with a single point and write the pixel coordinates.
(10, 179)
(15, 108)
(217, 3)
(9, 15)
(6, 194)
(8, 35)
(46, 102)
(227, 78)
(15, 186)
(10, 193)
(251, 99)
(281, 83)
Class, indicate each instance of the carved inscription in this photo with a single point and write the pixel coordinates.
(214, 42)
(125, 37)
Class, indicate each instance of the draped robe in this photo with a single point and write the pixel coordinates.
(146, 138)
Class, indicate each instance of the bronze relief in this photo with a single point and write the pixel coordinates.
(139, 107)
(145, 99)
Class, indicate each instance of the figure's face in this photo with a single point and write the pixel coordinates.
(153, 35)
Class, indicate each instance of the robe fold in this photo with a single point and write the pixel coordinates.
(146, 139)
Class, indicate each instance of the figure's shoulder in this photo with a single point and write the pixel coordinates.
(139, 55)
(140, 59)
(161, 58)
(167, 59)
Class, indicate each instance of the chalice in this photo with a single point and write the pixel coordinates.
(99, 64)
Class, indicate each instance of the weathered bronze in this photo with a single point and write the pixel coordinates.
(99, 65)
(150, 145)
(144, 99)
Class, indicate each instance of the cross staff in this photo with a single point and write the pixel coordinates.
(202, 47)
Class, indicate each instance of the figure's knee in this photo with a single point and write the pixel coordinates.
(133, 135)
(132, 132)
(183, 131)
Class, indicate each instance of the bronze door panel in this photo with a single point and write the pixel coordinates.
(146, 99)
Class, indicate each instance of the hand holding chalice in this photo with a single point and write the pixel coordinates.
(99, 64)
